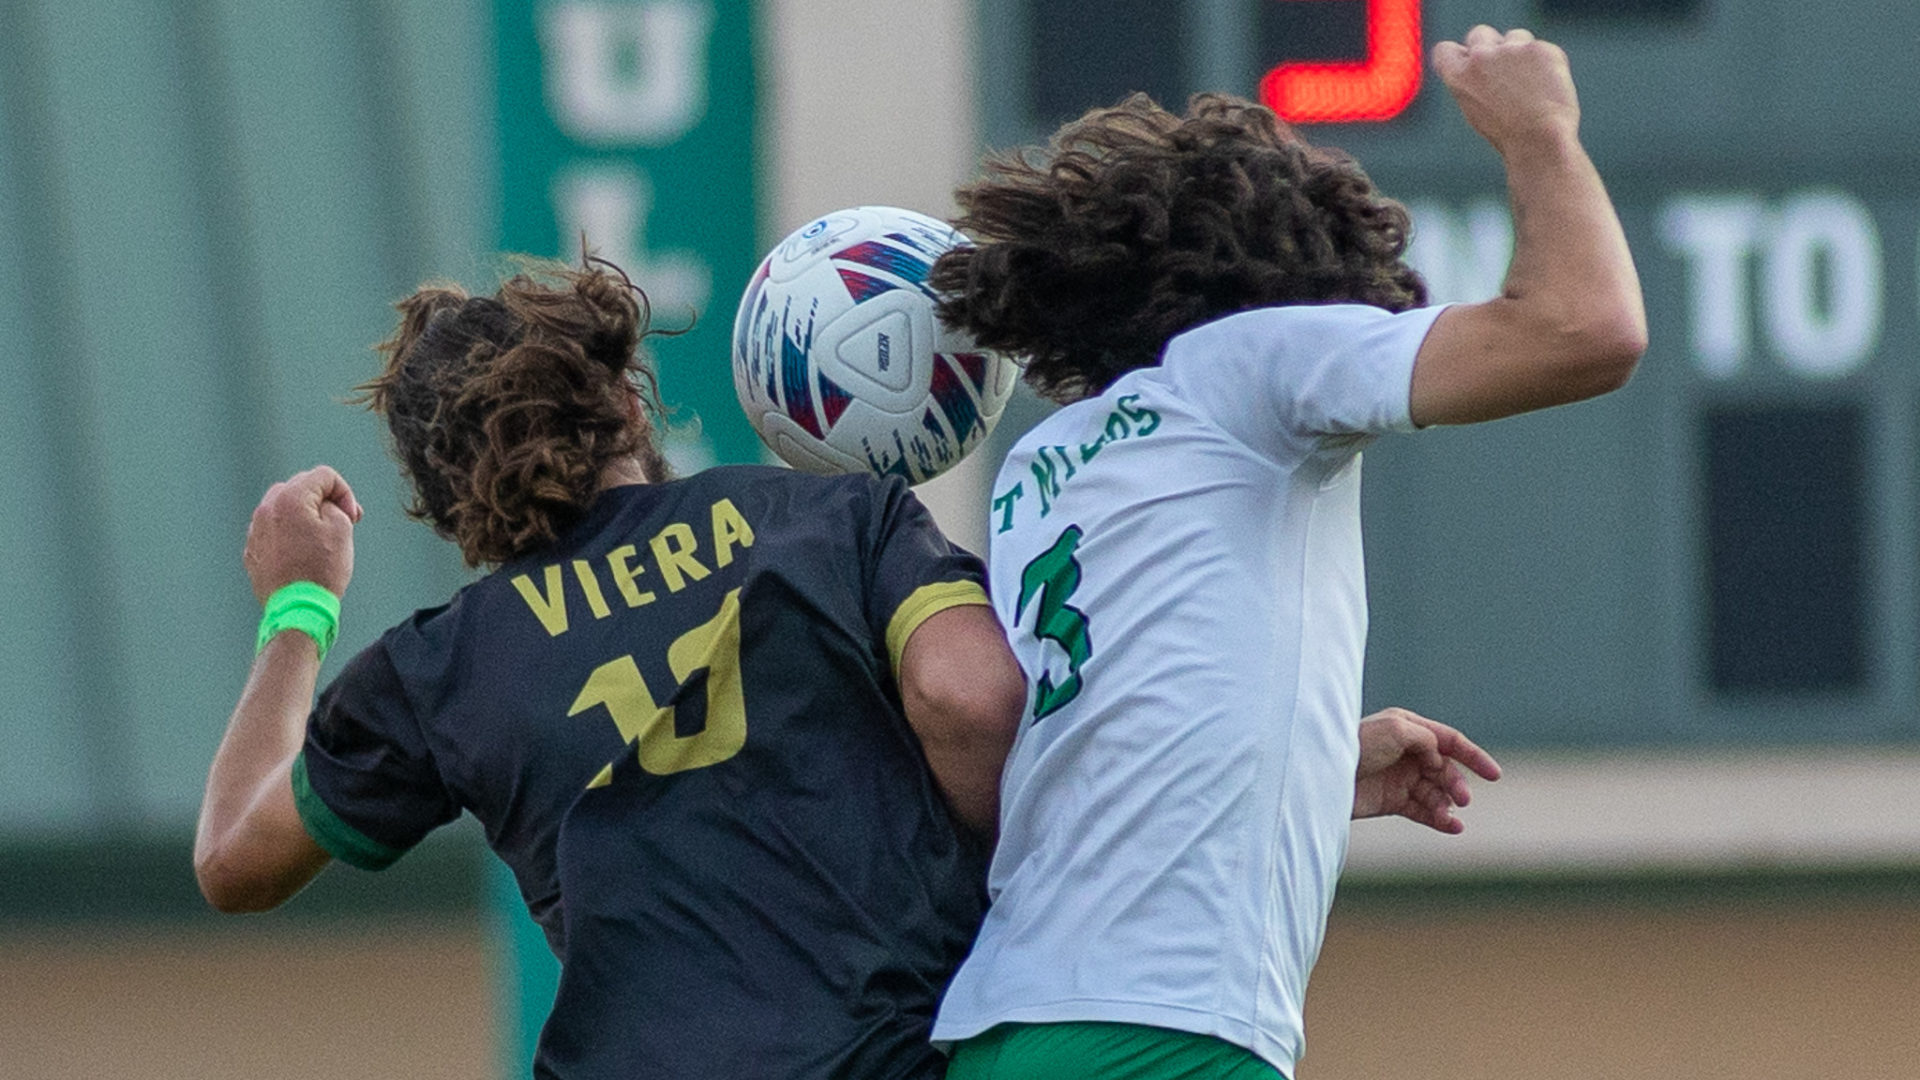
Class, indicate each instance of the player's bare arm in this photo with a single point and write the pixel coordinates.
(1569, 323)
(1410, 767)
(251, 851)
(964, 695)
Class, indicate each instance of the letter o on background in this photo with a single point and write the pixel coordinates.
(1823, 336)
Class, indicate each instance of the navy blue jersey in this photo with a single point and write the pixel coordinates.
(680, 727)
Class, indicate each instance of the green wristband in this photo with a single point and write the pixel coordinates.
(304, 606)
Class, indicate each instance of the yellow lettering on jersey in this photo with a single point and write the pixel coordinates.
(673, 551)
(713, 647)
(617, 685)
(729, 528)
(591, 586)
(625, 577)
(550, 609)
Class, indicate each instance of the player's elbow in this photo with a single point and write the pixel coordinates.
(996, 706)
(964, 695)
(1599, 352)
(1615, 346)
(959, 674)
(966, 730)
(979, 705)
(233, 885)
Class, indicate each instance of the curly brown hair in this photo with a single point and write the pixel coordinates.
(1134, 224)
(504, 410)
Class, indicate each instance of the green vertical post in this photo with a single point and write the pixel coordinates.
(631, 122)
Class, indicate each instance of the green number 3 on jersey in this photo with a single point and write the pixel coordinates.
(1055, 574)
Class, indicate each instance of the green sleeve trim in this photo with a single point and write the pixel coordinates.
(926, 602)
(341, 840)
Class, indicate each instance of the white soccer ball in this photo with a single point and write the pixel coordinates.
(840, 363)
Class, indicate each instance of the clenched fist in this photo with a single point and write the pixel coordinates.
(302, 531)
(1513, 88)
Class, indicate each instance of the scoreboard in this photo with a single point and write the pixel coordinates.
(1377, 85)
(1728, 550)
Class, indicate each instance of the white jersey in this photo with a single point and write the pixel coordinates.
(1178, 563)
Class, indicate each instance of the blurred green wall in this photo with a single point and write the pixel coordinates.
(206, 207)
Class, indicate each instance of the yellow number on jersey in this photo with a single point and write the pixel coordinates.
(713, 647)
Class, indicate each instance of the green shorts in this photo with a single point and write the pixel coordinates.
(1100, 1051)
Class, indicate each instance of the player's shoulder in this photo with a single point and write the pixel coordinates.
(799, 510)
(782, 489)
(424, 638)
(780, 476)
(758, 491)
(1264, 330)
(1243, 338)
(1070, 419)
(385, 668)
(809, 524)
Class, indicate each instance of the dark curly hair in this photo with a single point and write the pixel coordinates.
(504, 410)
(1134, 224)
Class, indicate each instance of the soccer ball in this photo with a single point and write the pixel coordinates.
(839, 360)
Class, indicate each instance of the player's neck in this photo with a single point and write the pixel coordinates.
(623, 471)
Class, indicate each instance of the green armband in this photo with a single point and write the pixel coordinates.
(303, 606)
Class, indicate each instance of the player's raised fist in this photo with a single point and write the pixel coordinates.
(302, 531)
(1513, 88)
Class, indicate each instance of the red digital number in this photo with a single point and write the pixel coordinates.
(1377, 88)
